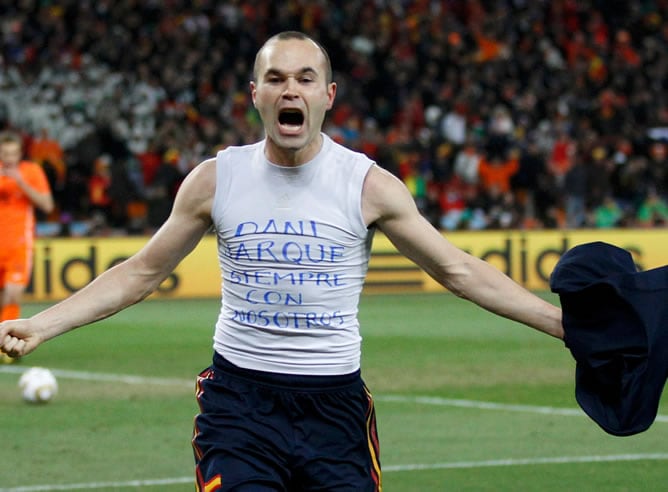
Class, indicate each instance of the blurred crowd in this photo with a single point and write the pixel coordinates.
(496, 114)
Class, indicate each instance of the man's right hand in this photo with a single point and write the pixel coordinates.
(17, 337)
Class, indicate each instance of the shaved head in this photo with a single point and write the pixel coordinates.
(287, 35)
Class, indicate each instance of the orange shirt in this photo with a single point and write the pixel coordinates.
(497, 175)
(17, 215)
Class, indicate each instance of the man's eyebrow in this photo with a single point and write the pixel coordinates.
(302, 71)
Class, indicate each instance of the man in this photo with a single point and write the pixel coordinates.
(23, 187)
(283, 406)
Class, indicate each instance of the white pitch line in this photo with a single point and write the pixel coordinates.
(423, 400)
(113, 378)
(529, 461)
(488, 405)
(387, 469)
(480, 405)
(101, 485)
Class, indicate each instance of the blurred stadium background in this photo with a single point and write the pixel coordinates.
(496, 114)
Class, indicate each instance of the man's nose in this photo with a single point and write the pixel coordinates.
(290, 89)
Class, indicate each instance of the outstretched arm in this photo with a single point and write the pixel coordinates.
(130, 281)
(388, 204)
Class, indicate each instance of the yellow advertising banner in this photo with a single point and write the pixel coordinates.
(64, 265)
(530, 256)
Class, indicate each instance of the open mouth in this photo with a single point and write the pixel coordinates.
(291, 119)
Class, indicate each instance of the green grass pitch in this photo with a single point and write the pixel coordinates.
(466, 401)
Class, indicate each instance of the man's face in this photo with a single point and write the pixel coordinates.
(10, 154)
(292, 95)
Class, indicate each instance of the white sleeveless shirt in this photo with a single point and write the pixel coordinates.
(293, 250)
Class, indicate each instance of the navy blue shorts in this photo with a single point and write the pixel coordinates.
(260, 432)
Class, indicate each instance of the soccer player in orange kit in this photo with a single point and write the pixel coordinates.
(23, 187)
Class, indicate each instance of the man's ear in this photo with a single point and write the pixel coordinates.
(331, 92)
(253, 91)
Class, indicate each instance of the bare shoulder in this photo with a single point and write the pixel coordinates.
(380, 178)
(204, 173)
(384, 196)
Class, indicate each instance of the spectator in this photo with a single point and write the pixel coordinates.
(608, 214)
(658, 165)
(502, 210)
(162, 189)
(633, 182)
(467, 163)
(561, 157)
(599, 176)
(496, 171)
(454, 124)
(525, 183)
(575, 188)
(653, 211)
(454, 199)
(99, 200)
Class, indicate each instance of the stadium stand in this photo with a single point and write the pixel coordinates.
(566, 100)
